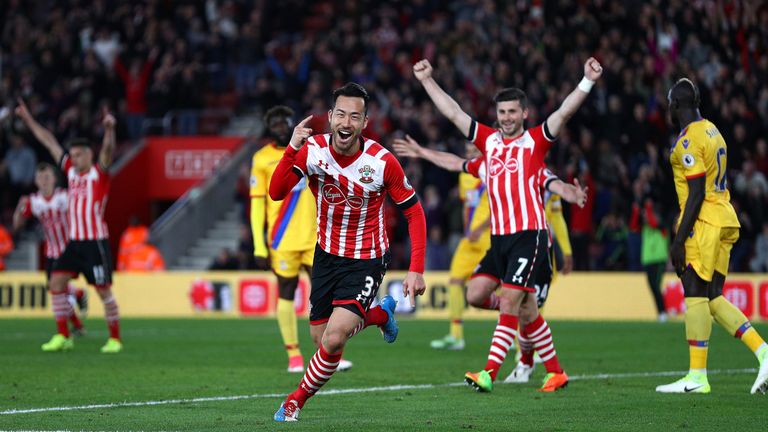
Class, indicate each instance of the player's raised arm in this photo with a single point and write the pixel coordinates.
(402, 193)
(292, 166)
(408, 147)
(447, 106)
(109, 141)
(46, 138)
(556, 120)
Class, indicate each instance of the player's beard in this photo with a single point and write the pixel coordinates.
(282, 140)
(514, 130)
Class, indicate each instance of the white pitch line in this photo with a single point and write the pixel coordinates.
(350, 390)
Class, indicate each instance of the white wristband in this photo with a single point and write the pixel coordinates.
(586, 85)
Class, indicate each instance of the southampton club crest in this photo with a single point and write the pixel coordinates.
(366, 173)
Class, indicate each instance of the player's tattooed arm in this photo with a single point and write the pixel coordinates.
(696, 190)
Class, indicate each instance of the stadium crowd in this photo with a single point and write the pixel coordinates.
(69, 58)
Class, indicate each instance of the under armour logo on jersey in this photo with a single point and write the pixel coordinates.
(332, 194)
(323, 165)
(517, 279)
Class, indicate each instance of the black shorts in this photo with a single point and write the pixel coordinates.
(49, 263)
(343, 282)
(92, 258)
(542, 286)
(520, 260)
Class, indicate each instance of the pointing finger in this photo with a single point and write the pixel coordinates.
(303, 122)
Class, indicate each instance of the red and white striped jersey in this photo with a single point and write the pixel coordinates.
(52, 212)
(513, 177)
(350, 193)
(88, 193)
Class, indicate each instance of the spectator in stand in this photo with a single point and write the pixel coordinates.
(749, 180)
(225, 260)
(188, 100)
(136, 82)
(654, 248)
(18, 170)
(134, 235)
(759, 263)
(143, 257)
(612, 235)
(581, 219)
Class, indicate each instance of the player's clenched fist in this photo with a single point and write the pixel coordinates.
(422, 70)
(108, 121)
(300, 133)
(592, 69)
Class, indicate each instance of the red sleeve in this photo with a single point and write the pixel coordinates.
(479, 133)
(120, 69)
(650, 216)
(289, 170)
(26, 210)
(472, 166)
(65, 163)
(542, 142)
(145, 72)
(417, 230)
(634, 220)
(395, 181)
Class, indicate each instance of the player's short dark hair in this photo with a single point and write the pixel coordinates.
(512, 94)
(42, 166)
(79, 142)
(277, 111)
(351, 89)
(685, 93)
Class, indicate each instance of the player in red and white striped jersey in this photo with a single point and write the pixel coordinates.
(350, 177)
(88, 249)
(50, 206)
(518, 255)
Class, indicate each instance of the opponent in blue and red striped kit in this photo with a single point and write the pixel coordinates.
(518, 257)
(87, 251)
(350, 177)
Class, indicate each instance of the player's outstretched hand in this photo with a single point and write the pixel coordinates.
(575, 194)
(407, 147)
(592, 69)
(300, 133)
(413, 285)
(422, 70)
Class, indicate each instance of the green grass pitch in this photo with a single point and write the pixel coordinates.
(615, 368)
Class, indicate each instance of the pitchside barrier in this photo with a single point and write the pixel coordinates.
(595, 296)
